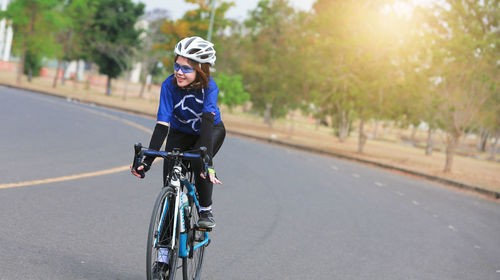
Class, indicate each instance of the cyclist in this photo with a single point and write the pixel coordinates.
(188, 117)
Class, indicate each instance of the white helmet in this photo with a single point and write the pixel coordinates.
(197, 49)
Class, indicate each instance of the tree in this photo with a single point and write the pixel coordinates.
(268, 65)
(466, 33)
(34, 23)
(32, 64)
(114, 37)
(151, 41)
(490, 115)
(356, 47)
(76, 21)
(194, 23)
(199, 18)
(231, 90)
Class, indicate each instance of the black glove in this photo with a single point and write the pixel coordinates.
(140, 170)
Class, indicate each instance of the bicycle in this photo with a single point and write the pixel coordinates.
(173, 231)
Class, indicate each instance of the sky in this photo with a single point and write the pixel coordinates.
(177, 8)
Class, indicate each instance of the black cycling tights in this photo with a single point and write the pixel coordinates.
(183, 141)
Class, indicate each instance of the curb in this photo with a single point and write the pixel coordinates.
(488, 193)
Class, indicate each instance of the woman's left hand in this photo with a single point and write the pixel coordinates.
(211, 176)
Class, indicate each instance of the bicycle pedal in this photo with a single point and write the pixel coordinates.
(203, 229)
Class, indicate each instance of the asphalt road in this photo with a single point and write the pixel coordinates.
(281, 214)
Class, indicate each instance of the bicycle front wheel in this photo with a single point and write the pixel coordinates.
(161, 260)
(191, 266)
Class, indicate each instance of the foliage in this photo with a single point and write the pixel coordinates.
(356, 46)
(194, 23)
(349, 61)
(114, 36)
(76, 28)
(269, 66)
(33, 22)
(464, 63)
(231, 90)
(32, 64)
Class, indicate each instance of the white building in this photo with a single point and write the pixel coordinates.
(6, 34)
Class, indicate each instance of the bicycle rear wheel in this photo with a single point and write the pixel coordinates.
(191, 266)
(160, 237)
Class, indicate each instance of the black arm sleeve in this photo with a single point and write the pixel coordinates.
(207, 126)
(159, 135)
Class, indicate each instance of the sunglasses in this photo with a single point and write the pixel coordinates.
(185, 68)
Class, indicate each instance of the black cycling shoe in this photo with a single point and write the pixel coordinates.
(160, 271)
(206, 219)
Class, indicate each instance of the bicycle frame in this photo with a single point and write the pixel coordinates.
(178, 179)
(183, 250)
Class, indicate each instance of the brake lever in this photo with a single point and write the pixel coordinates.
(138, 154)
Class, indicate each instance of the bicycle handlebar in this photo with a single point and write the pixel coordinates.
(140, 152)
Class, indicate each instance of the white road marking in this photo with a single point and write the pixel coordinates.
(334, 167)
(452, 228)
(400, 193)
(379, 184)
(355, 175)
(415, 202)
(477, 247)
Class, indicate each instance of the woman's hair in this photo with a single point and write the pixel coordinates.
(202, 74)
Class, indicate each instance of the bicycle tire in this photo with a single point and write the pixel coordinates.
(191, 266)
(155, 238)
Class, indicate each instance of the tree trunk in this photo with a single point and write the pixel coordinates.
(149, 86)
(267, 115)
(451, 145)
(65, 68)
(125, 87)
(143, 82)
(20, 67)
(89, 77)
(493, 148)
(292, 120)
(385, 130)
(483, 139)
(413, 133)
(75, 77)
(20, 70)
(143, 86)
(30, 75)
(108, 86)
(362, 136)
(343, 126)
(56, 76)
(375, 132)
(428, 147)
